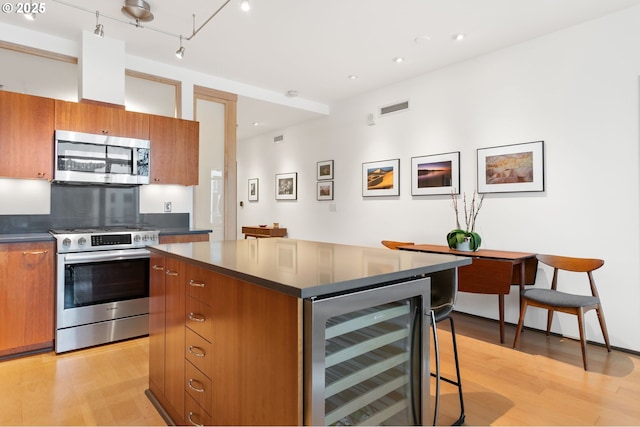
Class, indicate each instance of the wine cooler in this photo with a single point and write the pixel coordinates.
(367, 356)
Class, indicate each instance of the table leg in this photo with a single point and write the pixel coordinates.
(501, 314)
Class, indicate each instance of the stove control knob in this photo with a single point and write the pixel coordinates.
(82, 241)
(145, 237)
(136, 238)
(154, 237)
(66, 242)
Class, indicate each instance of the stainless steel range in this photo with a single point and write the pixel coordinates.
(102, 285)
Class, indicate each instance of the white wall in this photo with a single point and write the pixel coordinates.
(576, 89)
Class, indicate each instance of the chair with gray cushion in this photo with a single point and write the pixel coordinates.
(555, 300)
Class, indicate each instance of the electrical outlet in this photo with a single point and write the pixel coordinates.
(167, 206)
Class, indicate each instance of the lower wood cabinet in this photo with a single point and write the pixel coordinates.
(26, 297)
(241, 348)
(184, 238)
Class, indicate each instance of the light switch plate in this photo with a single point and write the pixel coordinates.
(167, 206)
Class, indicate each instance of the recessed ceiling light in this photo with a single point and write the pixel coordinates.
(292, 93)
(398, 59)
(256, 124)
(422, 39)
(458, 37)
(352, 77)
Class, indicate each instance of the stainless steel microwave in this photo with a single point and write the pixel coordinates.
(101, 159)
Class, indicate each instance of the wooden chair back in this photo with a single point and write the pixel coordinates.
(393, 244)
(581, 265)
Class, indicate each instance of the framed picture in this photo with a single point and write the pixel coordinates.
(325, 190)
(511, 168)
(253, 190)
(287, 186)
(435, 174)
(325, 170)
(381, 178)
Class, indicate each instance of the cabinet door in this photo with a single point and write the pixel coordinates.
(184, 238)
(26, 297)
(97, 119)
(174, 150)
(157, 307)
(26, 136)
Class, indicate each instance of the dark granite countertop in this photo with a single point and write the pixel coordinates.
(25, 237)
(306, 269)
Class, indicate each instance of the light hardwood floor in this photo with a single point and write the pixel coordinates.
(542, 383)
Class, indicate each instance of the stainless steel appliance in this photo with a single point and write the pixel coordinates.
(89, 158)
(367, 356)
(102, 285)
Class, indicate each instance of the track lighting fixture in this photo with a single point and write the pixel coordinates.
(99, 31)
(245, 5)
(180, 51)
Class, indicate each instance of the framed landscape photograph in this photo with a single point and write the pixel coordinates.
(287, 186)
(511, 168)
(435, 174)
(253, 190)
(381, 178)
(325, 170)
(325, 190)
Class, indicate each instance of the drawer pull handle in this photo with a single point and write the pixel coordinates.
(171, 273)
(191, 414)
(158, 267)
(196, 317)
(194, 388)
(196, 284)
(34, 252)
(197, 351)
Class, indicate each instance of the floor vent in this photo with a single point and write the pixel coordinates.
(394, 108)
(278, 138)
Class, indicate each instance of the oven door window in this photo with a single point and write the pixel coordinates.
(104, 282)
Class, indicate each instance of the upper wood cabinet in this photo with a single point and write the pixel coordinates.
(26, 136)
(174, 150)
(98, 119)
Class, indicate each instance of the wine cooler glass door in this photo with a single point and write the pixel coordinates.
(366, 354)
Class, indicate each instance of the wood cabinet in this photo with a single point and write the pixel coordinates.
(174, 150)
(26, 297)
(167, 334)
(26, 136)
(98, 119)
(241, 351)
(184, 238)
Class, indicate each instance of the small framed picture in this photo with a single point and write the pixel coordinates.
(435, 174)
(511, 168)
(325, 170)
(287, 186)
(253, 190)
(325, 190)
(381, 178)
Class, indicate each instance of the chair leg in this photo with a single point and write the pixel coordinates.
(457, 382)
(603, 326)
(523, 311)
(436, 350)
(549, 320)
(583, 339)
(460, 420)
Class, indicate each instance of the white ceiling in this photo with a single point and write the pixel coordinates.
(313, 46)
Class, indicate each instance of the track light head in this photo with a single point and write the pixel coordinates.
(180, 53)
(99, 31)
(245, 5)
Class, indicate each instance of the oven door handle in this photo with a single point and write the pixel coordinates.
(105, 256)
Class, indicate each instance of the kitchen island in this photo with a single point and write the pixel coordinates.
(227, 321)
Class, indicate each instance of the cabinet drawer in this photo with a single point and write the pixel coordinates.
(201, 284)
(194, 414)
(199, 318)
(198, 351)
(198, 386)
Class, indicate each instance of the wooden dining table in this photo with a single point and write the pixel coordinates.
(491, 272)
